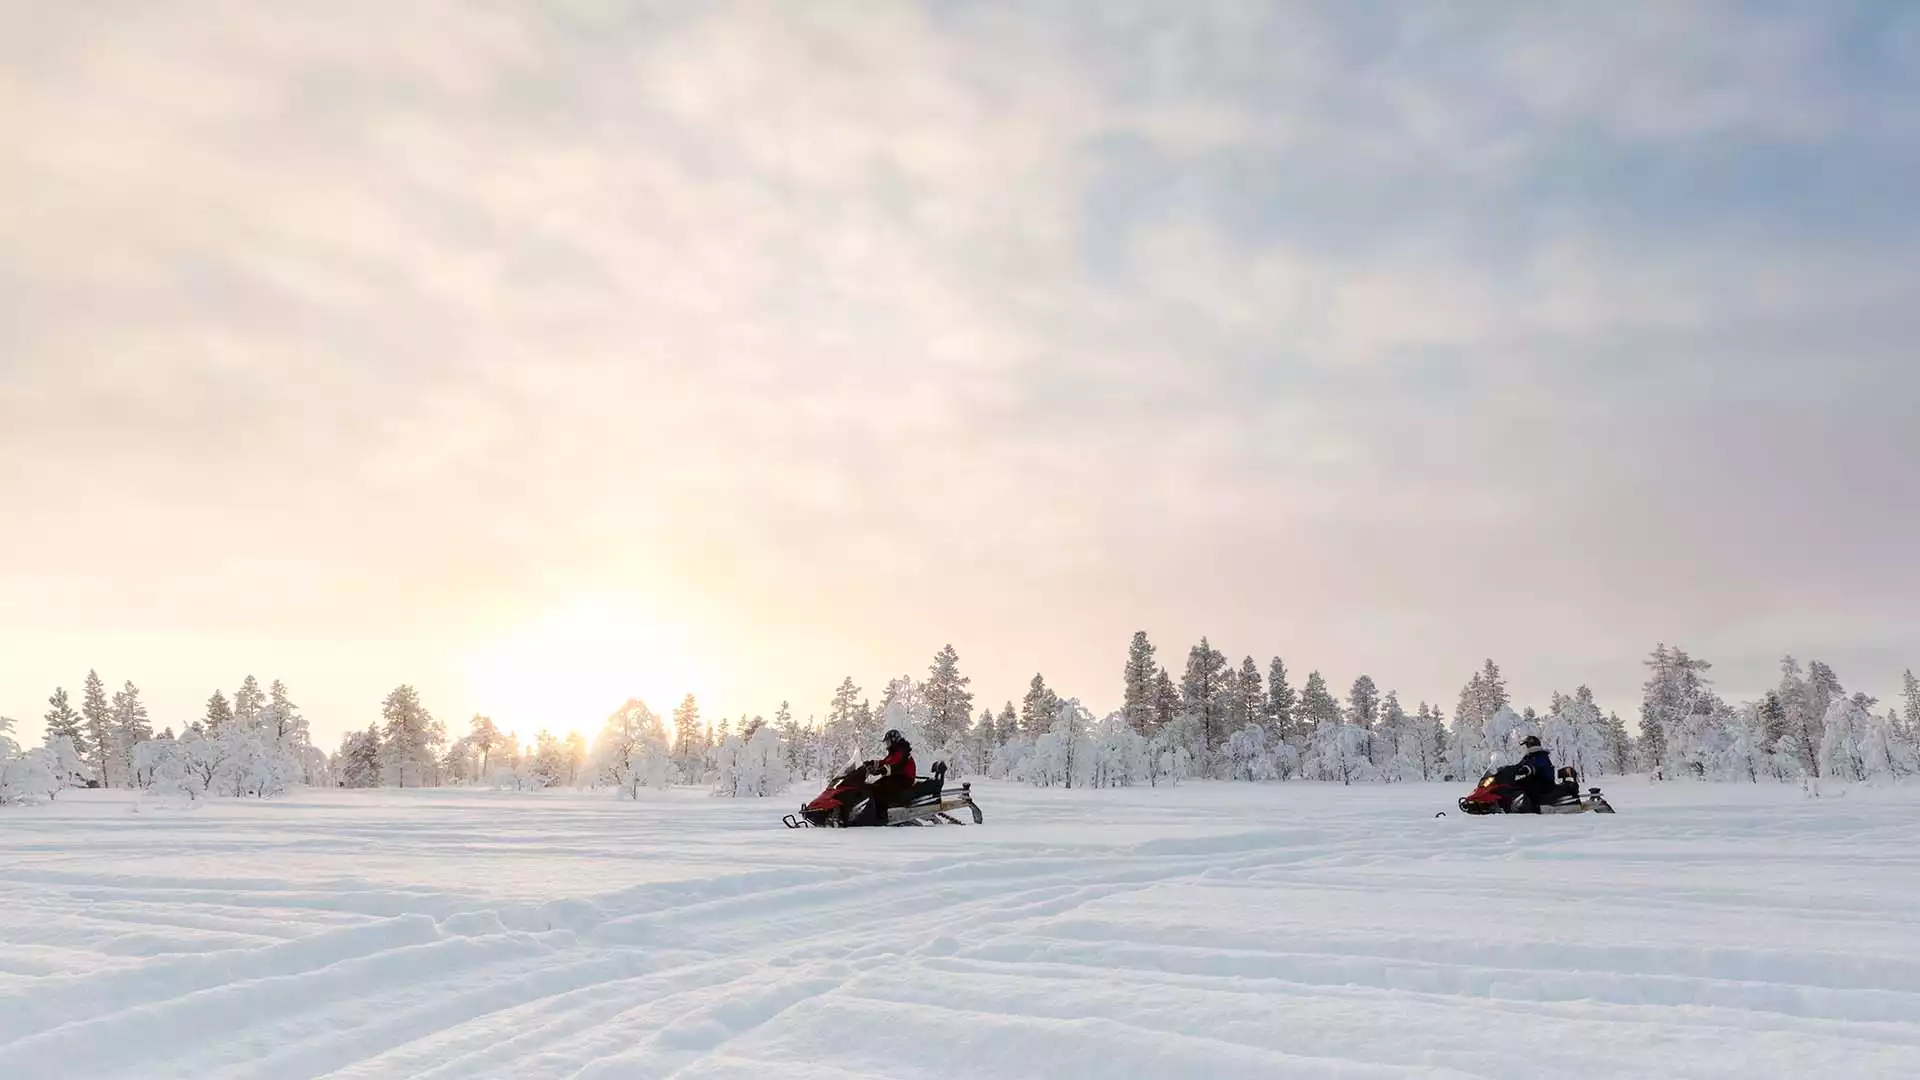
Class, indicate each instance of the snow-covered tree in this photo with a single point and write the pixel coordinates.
(1117, 754)
(1845, 733)
(357, 765)
(69, 766)
(26, 776)
(949, 702)
(1317, 705)
(1910, 695)
(1204, 700)
(484, 735)
(409, 741)
(1363, 703)
(1061, 755)
(1575, 733)
(1166, 699)
(1676, 714)
(751, 767)
(130, 728)
(1426, 744)
(62, 722)
(1038, 709)
(1339, 751)
(248, 701)
(219, 714)
(1249, 697)
(632, 751)
(97, 716)
(1248, 754)
(691, 741)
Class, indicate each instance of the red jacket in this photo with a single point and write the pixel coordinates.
(899, 763)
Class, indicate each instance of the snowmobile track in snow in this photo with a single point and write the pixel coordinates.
(1713, 931)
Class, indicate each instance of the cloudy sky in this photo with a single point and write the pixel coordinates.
(493, 347)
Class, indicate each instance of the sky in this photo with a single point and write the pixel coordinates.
(541, 354)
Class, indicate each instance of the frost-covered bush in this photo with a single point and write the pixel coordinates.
(754, 767)
(1118, 755)
(26, 776)
(631, 752)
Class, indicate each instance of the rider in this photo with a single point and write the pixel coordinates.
(895, 772)
(1539, 781)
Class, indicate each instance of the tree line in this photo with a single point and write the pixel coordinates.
(1218, 720)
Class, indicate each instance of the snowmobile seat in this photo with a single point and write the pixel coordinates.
(929, 787)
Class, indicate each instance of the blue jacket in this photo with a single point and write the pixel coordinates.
(1542, 769)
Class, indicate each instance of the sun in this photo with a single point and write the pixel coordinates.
(570, 668)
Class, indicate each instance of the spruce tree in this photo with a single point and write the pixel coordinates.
(949, 702)
(1363, 702)
(689, 739)
(1139, 684)
(1317, 705)
(1281, 702)
(1203, 698)
(219, 714)
(1008, 724)
(248, 701)
(986, 733)
(410, 740)
(1038, 709)
(130, 728)
(483, 736)
(1166, 699)
(98, 718)
(63, 722)
(1250, 696)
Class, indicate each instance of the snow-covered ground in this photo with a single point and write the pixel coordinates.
(1221, 931)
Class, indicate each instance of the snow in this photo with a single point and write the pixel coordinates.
(1210, 930)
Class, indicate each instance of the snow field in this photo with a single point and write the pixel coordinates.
(1213, 930)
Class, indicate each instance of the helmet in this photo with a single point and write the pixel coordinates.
(1531, 742)
(893, 737)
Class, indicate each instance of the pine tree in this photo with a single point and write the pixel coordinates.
(1317, 706)
(64, 723)
(98, 717)
(1009, 723)
(1281, 703)
(949, 702)
(1038, 709)
(358, 763)
(1139, 684)
(1166, 699)
(1363, 703)
(410, 741)
(844, 733)
(248, 701)
(1250, 697)
(219, 714)
(690, 739)
(130, 728)
(1910, 693)
(277, 695)
(1203, 699)
(484, 736)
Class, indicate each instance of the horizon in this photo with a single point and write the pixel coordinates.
(538, 356)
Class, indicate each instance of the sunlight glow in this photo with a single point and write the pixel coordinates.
(574, 666)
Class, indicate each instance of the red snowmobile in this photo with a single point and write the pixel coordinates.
(847, 802)
(1503, 791)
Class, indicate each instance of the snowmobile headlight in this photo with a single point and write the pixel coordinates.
(1486, 781)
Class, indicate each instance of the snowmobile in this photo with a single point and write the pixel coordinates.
(847, 803)
(1500, 792)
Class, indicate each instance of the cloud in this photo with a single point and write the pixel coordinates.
(1373, 337)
